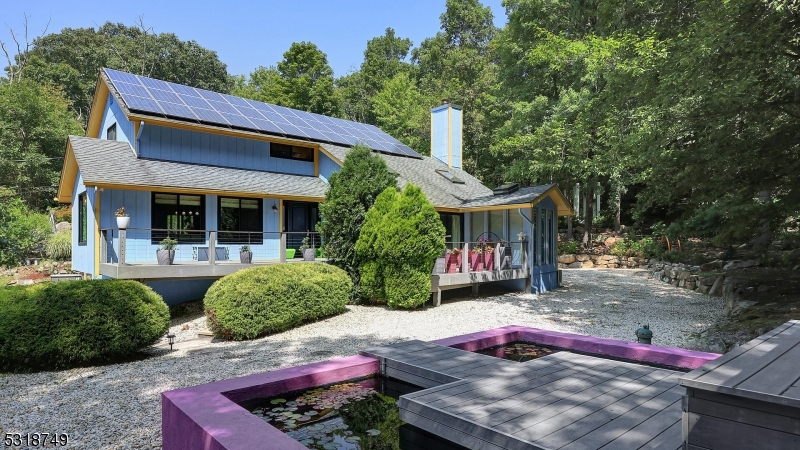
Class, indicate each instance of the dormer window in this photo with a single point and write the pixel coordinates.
(291, 152)
(111, 133)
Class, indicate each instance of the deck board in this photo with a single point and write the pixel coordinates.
(561, 400)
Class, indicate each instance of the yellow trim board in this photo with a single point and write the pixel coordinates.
(316, 161)
(69, 175)
(131, 187)
(101, 93)
(97, 232)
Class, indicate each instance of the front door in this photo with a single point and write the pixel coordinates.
(543, 242)
(300, 219)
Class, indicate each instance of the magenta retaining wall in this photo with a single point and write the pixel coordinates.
(207, 417)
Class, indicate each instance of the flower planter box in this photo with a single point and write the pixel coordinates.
(488, 261)
(476, 262)
(453, 263)
(246, 257)
(309, 254)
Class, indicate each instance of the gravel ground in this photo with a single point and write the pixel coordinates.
(118, 406)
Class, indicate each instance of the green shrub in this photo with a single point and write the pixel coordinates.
(22, 231)
(645, 248)
(401, 237)
(352, 192)
(59, 245)
(76, 323)
(262, 300)
(567, 247)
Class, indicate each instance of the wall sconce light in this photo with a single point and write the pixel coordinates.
(274, 207)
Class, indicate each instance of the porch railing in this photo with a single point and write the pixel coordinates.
(469, 257)
(139, 245)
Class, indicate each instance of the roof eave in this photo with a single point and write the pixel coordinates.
(69, 175)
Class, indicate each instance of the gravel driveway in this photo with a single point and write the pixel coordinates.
(118, 406)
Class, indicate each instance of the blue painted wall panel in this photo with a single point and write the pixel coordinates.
(175, 144)
(456, 138)
(327, 166)
(181, 291)
(83, 255)
(113, 114)
(439, 122)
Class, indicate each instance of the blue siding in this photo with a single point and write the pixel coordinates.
(327, 167)
(83, 255)
(176, 144)
(181, 291)
(455, 135)
(113, 114)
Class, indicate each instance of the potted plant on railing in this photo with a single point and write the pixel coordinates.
(308, 250)
(166, 251)
(122, 218)
(453, 260)
(476, 259)
(245, 255)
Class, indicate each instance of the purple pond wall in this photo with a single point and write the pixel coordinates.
(207, 417)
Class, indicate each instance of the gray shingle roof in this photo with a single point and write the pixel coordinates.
(114, 163)
(442, 192)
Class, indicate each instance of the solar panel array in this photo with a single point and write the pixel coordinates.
(153, 96)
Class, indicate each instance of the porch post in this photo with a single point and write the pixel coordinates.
(123, 234)
(465, 258)
(282, 249)
(212, 247)
(523, 254)
(497, 256)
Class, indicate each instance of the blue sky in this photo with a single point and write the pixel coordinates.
(248, 34)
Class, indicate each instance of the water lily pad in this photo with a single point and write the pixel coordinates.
(373, 432)
(330, 446)
(277, 401)
(352, 439)
(304, 418)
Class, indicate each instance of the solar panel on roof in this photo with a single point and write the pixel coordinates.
(153, 96)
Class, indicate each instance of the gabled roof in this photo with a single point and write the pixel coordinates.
(113, 164)
(469, 195)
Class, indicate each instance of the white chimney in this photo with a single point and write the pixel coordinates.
(446, 125)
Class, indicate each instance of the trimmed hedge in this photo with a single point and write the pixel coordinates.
(77, 323)
(262, 300)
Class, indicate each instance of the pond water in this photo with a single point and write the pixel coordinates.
(518, 351)
(352, 415)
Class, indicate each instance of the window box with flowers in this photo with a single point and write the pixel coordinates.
(453, 260)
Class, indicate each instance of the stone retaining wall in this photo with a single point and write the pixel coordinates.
(586, 261)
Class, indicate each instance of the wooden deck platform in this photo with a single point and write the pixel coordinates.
(749, 398)
(560, 401)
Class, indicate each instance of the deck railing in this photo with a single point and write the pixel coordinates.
(468, 257)
(139, 245)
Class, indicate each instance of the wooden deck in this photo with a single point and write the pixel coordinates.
(561, 401)
(749, 398)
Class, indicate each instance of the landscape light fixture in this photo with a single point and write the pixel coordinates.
(171, 338)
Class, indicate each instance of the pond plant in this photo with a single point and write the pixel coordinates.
(344, 416)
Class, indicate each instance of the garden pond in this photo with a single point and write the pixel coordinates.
(519, 351)
(358, 414)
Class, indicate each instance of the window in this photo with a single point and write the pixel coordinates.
(177, 216)
(243, 215)
(83, 221)
(291, 152)
(449, 175)
(111, 133)
(453, 229)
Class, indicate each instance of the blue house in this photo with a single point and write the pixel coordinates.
(216, 172)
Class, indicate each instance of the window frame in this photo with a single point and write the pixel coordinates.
(254, 237)
(272, 147)
(83, 219)
(109, 130)
(183, 237)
